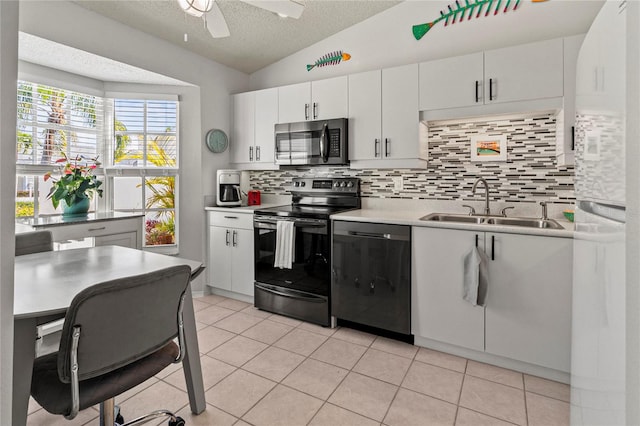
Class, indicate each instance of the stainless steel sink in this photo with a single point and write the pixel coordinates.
(525, 222)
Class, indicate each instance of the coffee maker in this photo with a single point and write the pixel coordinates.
(228, 188)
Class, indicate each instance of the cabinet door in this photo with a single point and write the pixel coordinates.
(438, 310)
(294, 103)
(329, 98)
(400, 119)
(126, 239)
(266, 116)
(527, 71)
(220, 257)
(243, 128)
(242, 262)
(452, 82)
(528, 311)
(365, 115)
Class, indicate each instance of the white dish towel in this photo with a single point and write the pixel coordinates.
(285, 244)
(475, 283)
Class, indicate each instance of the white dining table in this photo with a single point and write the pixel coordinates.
(45, 284)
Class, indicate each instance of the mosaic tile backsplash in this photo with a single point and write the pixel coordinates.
(530, 173)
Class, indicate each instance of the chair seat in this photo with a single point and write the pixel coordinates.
(55, 396)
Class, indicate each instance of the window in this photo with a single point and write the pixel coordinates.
(51, 123)
(144, 164)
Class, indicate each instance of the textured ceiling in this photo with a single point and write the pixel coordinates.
(258, 37)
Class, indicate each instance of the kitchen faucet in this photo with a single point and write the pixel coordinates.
(487, 211)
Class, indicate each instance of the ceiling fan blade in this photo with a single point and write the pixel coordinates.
(216, 24)
(289, 8)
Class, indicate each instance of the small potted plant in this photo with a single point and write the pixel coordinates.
(76, 185)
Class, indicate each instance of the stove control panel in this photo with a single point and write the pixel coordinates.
(326, 185)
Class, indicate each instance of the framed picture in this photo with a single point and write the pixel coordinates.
(488, 148)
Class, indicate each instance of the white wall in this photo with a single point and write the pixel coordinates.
(8, 76)
(72, 25)
(386, 40)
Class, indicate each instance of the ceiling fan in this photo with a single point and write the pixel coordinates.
(217, 25)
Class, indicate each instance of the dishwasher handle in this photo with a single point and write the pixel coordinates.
(374, 235)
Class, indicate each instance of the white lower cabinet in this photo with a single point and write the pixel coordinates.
(528, 308)
(231, 252)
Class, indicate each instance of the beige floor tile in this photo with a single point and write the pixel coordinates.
(383, 366)
(300, 341)
(283, 407)
(211, 337)
(233, 304)
(494, 399)
(238, 322)
(156, 397)
(434, 381)
(495, 374)
(473, 418)
(364, 395)
(548, 388)
(136, 390)
(241, 423)
(395, 347)
(252, 310)
(211, 299)
(442, 359)
(340, 353)
(212, 314)
(199, 305)
(316, 378)
(201, 325)
(237, 351)
(411, 408)
(285, 320)
(274, 363)
(212, 372)
(332, 415)
(543, 411)
(325, 331)
(33, 406)
(43, 418)
(354, 336)
(238, 392)
(209, 417)
(267, 331)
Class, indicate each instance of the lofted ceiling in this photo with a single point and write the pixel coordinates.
(258, 37)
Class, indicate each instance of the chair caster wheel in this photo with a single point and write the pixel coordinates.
(179, 421)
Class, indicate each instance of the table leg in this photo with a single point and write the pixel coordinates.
(24, 352)
(191, 361)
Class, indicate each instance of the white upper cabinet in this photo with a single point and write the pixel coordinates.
(384, 119)
(519, 73)
(254, 117)
(318, 100)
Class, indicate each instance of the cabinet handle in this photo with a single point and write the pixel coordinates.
(97, 229)
(387, 151)
(573, 138)
(227, 238)
(376, 143)
(490, 89)
(477, 84)
(257, 153)
(231, 217)
(595, 79)
(235, 239)
(476, 240)
(306, 111)
(493, 245)
(315, 110)
(250, 153)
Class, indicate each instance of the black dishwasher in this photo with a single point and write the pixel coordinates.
(371, 275)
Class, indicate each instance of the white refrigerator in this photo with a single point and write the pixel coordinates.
(598, 309)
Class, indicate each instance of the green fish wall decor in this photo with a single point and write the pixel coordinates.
(330, 59)
(458, 12)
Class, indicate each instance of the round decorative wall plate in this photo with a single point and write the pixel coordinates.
(216, 140)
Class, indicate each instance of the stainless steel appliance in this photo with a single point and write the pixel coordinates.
(304, 291)
(371, 279)
(321, 142)
(228, 188)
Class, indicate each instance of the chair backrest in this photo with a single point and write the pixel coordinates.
(33, 242)
(122, 321)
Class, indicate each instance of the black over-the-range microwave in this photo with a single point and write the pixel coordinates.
(321, 142)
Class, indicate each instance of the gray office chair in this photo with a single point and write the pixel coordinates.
(33, 242)
(116, 335)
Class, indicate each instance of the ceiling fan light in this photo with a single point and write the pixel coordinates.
(282, 15)
(196, 8)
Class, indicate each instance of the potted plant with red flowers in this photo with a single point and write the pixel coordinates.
(76, 185)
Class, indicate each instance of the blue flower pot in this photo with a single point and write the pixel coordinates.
(81, 207)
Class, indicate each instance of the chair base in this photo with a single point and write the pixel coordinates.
(110, 416)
